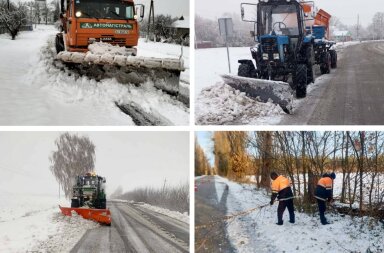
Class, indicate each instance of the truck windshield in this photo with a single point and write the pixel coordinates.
(278, 20)
(104, 9)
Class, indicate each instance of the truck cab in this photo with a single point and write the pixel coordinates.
(88, 21)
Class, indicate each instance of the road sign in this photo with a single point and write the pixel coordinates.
(226, 30)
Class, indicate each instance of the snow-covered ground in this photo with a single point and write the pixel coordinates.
(34, 92)
(220, 104)
(257, 231)
(35, 223)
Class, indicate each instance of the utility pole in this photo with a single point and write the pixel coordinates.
(151, 15)
(357, 27)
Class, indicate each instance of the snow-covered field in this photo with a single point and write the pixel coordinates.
(34, 92)
(257, 231)
(35, 223)
(220, 104)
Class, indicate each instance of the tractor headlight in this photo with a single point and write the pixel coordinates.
(276, 56)
(265, 56)
(135, 17)
(78, 14)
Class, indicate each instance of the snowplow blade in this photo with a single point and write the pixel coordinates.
(263, 90)
(164, 73)
(102, 216)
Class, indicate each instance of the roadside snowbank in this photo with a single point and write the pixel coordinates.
(257, 232)
(35, 223)
(184, 217)
(221, 104)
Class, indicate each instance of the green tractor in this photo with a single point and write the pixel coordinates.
(89, 192)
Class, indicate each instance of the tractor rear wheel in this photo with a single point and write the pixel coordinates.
(299, 79)
(333, 59)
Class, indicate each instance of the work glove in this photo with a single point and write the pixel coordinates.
(330, 200)
(271, 202)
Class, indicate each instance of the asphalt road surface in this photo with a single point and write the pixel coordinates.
(353, 94)
(136, 229)
(208, 208)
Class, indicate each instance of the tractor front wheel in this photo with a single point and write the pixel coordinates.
(75, 203)
(326, 65)
(299, 79)
(59, 43)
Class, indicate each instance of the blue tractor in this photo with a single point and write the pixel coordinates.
(287, 48)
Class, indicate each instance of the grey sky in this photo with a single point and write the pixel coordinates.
(175, 8)
(345, 10)
(130, 159)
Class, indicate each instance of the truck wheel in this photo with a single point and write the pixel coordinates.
(59, 43)
(333, 59)
(75, 203)
(299, 78)
(326, 65)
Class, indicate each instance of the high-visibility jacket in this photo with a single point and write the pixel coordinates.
(324, 188)
(281, 188)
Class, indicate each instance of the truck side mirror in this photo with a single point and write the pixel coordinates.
(242, 12)
(139, 10)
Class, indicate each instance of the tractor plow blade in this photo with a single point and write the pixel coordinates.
(164, 73)
(263, 90)
(102, 216)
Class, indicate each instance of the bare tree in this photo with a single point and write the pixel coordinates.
(13, 18)
(74, 156)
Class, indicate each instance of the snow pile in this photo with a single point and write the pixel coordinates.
(257, 232)
(220, 104)
(69, 231)
(34, 222)
(100, 48)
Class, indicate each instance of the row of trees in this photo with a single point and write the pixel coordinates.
(14, 16)
(208, 30)
(374, 31)
(304, 157)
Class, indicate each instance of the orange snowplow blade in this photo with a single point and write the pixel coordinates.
(100, 215)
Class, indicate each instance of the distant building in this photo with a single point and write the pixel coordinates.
(204, 44)
(181, 27)
(341, 36)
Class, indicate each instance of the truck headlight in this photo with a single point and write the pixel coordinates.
(78, 14)
(276, 56)
(265, 56)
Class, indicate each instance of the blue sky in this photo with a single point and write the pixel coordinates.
(205, 140)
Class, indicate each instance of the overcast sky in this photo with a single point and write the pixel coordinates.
(345, 10)
(175, 8)
(129, 159)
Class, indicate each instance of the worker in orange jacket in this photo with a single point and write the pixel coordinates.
(323, 193)
(281, 188)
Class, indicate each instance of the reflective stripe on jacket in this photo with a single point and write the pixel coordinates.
(282, 187)
(324, 189)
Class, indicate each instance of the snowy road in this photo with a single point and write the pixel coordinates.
(210, 205)
(34, 92)
(353, 95)
(136, 229)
